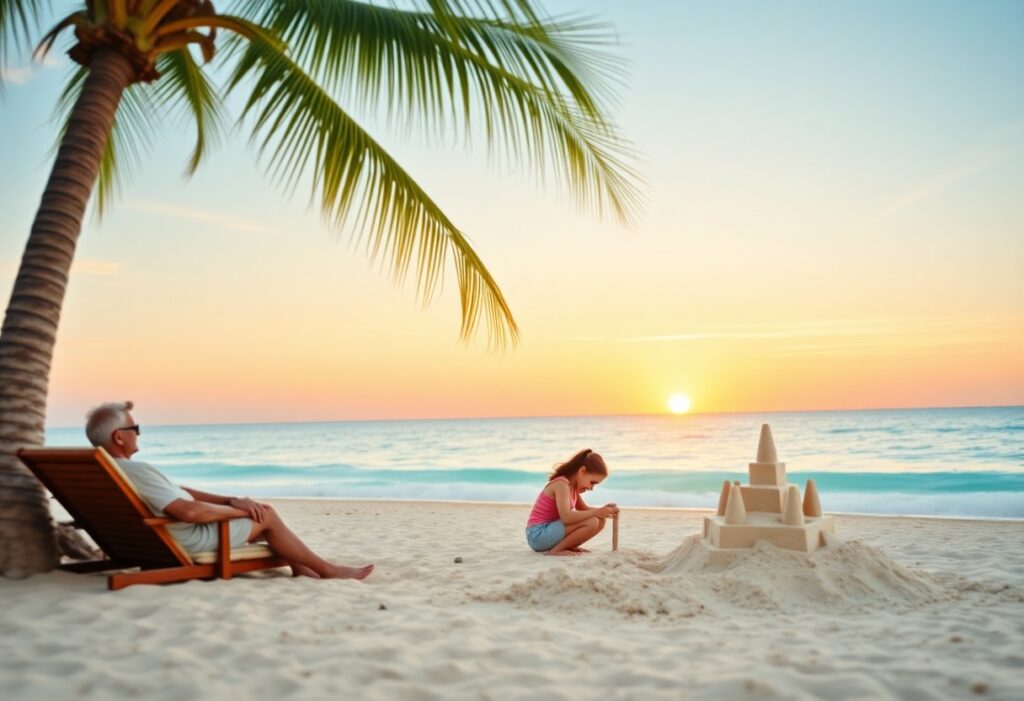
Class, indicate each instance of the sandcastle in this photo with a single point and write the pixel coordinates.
(768, 508)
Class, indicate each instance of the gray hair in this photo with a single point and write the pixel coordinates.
(102, 421)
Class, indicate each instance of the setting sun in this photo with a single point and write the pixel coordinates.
(679, 404)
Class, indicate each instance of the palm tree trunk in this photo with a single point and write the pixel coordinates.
(28, 541)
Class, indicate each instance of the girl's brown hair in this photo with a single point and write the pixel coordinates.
(585, 458)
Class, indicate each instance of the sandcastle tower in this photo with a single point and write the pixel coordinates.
(768, 508)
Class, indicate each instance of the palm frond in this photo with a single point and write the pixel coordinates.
(45, 44)
(186, 85)
(347, 40)
(517, 10)
(539, 89)
(130, 139)
(18, 21)
(18, 18)
(361, 187)
(570, 49)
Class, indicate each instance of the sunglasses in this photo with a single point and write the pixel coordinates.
(134, 427)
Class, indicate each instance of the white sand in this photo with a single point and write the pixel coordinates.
(895, 608)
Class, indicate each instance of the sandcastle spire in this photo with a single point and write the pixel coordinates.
(793, 515)
(768, 471)
(812, 504)
(724, 498)
(735, 511)
(766, 446)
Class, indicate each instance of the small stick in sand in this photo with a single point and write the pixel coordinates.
(615, 532)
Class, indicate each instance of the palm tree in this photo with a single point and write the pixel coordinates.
(536, 86)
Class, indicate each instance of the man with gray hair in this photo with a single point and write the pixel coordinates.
(111, 426)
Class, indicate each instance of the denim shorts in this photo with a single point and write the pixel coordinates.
(544, 536)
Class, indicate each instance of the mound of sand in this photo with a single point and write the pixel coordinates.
(842, 578)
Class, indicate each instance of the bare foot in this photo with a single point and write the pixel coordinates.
(343, 572)
(578, 550)
(563, 553)
(303, 571)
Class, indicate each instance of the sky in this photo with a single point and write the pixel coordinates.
(834, 219)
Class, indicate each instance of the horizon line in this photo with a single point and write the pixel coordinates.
(571, 416)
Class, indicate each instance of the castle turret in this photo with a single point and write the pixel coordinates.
(766, 446)
(794, 515)
(812, 504)
(724, 498)
(766, 491)
(735, 512)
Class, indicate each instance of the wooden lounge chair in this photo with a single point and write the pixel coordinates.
(104, 503)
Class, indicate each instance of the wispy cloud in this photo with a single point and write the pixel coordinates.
(220, 219)
(52, 60)
(21, 75)
(18, 75)
(993, 148)
(938, 183)
(821, 329)
(91, 266)
(905, 345)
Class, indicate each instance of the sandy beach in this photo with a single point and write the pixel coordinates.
(904, 608)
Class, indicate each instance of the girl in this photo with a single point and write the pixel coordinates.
(561, 521)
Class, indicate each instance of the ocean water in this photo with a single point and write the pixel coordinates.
(949, 462)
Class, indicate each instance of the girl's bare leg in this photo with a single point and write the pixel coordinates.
(577, 534)
(578, 549)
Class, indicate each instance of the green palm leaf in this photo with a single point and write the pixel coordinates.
(186, 85)
(537, 89)
(18, 19)
(362, 188)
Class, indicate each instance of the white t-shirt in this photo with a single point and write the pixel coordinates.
(155, 488)
(158, 491)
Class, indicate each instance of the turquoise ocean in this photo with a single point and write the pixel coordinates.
(939, 462)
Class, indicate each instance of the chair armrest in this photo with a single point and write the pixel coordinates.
(225, 519)
(160, 521)
(170, 521)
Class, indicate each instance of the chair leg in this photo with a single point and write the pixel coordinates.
(224, 550)
(162, 576)
(186, 572)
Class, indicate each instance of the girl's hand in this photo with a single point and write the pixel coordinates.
(608, 511)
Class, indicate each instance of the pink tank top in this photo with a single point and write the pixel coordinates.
(545, 510)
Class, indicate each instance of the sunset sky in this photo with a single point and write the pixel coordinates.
(834, 219)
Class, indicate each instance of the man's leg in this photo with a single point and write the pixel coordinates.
(303, 571)
(303, 561)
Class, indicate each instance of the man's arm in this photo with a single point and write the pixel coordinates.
(254, 510)
(208, 498)
(201, 511)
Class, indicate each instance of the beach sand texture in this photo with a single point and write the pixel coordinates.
(893, 608)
